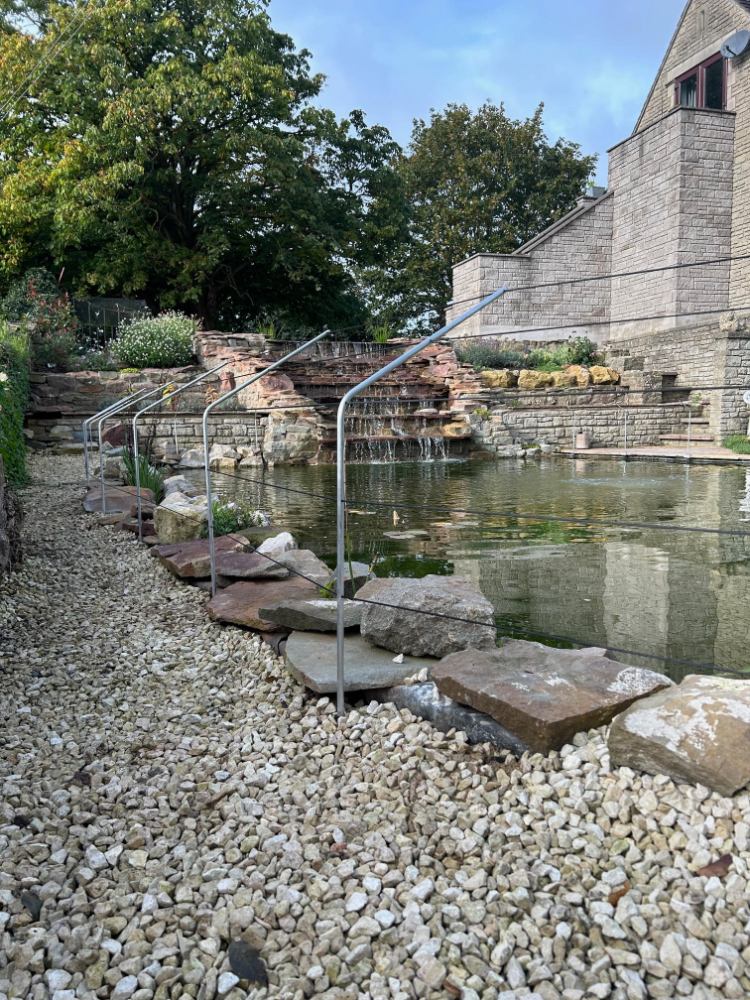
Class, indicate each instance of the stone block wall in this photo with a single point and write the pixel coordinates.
(558, 426)
(577, 246)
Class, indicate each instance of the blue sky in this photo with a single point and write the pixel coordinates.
(590, 61)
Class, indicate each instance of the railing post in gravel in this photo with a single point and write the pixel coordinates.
(341, 471)
(152, 406)
(86, 427)
(207, 413)
(110, 412)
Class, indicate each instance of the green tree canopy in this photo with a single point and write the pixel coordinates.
(170, 149)
(471, 182)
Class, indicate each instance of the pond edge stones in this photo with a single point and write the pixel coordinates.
(432, 616)
(311, 659)
(697, 732)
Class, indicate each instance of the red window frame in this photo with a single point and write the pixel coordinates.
(700, 72)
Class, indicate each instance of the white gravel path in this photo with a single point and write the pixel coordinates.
(166, 789)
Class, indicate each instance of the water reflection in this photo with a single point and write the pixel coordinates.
(665, 593)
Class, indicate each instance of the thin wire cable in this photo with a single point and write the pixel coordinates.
(468, 621)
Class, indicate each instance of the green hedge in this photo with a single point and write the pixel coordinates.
(163, 341)
(14, 394)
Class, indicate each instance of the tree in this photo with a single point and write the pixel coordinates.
(472, 183)
(169, 149)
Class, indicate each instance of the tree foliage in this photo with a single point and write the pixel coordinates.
(471, 183)
(169, 149)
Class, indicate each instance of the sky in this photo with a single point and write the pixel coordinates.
(591, 62)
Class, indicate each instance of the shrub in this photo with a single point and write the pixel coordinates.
(14, 394)
(24, 291)
(489, 353)
(494, 353)
(582, 351)
(92, 360)
(381, 333)
(163, 341)
(151, 478)
(36, 301)
(739, 443)
(235, 515)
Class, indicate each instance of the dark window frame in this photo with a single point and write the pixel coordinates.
(699, 71)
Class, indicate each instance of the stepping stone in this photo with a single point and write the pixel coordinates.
(240, 604)
(192, 560)
(118, 500)
(311, 659)
(425, 701)
(248, 566)
(697, 732)
(312, 616)
(542, 695)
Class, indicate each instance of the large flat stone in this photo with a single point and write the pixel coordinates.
(249, 566)
(697, 732)
(192, 560)
(304, 562)
(312, 616)
(240, 604)
(434, 616)
(117, 499)
(311, 659)
(542, 695)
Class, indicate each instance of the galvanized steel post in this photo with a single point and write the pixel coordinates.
(152, 406)
(341, 471)
(207, 412)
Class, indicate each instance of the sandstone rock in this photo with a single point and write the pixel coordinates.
(534, 380)
(312, 616)
(191, 560)
(564, 379)
(696, 732)
(544, 696)
(193, 458)
(311, 659)
(180, 518)
(356, 575)
(396, 628)
(240, 604)
(304, 563)
(241, 565)
(277, 545)
(499, 379)
(458, 428)
(292, 436)
(178, 484)
(223, 458)
(600, 375)
(117, 499)
(581, 374)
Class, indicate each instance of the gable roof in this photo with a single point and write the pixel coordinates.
(744, 4)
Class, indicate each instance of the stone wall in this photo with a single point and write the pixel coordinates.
(577, 246)
(10, 526)
(558, 426)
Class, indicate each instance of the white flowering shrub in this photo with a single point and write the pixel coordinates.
(163, 341)
(235, 515)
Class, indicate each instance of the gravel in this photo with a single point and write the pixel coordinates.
(167, 790)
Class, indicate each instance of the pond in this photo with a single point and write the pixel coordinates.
(661, 593)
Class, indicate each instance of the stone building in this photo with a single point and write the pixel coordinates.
(678, 192)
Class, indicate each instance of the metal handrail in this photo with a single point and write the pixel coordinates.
(110, 413)
(105, 412)
(146, 409)
(341, 471)
(206, 414)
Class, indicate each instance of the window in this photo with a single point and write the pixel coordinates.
(704, 86)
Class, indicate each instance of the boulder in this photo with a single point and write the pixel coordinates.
(581, 375)
(356, 575)
(117, 499)
(240, 604)
(180, 518)
(391, 623)
(193, 458)
(178, 484)
(304, 563)
(563, 380)
(192, 561)
(499, 379)
(544, 696)
(223, 458)
(601, 375)
(459, 427)
(277, 545)
(534, 380)
(312, 616)
(311, 659)
(236, 565)
(697, 732)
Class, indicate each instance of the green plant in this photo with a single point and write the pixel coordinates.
(236, 515)
(92, 361)
(482, 413)
(490, 353)
(381, 333)
(582, 351)
(14, 394)
(19, 301)
(150, 477)
(163, 341)
(739, 443)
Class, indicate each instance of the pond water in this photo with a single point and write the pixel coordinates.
(676, 594)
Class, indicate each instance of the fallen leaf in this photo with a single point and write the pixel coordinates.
(245, 962)
(32, 903)
(718, 868)
(616, 895)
